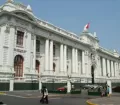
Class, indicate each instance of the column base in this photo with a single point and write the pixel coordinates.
(40, 84)
(68, 86)
(11, 85)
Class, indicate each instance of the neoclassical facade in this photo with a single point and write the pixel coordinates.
(33, 49)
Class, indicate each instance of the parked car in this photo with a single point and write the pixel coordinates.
(91, 86)
(64, 88)
(86, 86)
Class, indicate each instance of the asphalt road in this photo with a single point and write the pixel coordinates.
(33, 98)
(11, 100)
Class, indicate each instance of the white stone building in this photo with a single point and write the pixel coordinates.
(33, 49)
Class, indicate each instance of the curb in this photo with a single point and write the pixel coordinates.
(90, 103)
(2, 93)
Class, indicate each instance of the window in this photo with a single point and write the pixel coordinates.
(53, 50)
(101, 66)
(37, 45)
(20, 36)
(67, 68)
(67, 53)
(54, 65)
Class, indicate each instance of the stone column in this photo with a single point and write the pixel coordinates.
(65, 58)
(76, 60)
(40, 84)
(112, 70)
(34, 53)
(68, 86)
(73, 60)
(11, 85)
(51, 55)
(83, 62)
(115, 69)
(110, 85)
(47, 54)
(99, 66)
(117, 73)
(61, 57)
(104, 66)
(108, 67)
(10, 44)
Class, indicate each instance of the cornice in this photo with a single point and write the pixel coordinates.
(107, 54)
(45, 28)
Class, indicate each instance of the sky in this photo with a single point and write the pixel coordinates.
(73, 15)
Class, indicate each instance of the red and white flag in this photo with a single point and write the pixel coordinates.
(86, 26)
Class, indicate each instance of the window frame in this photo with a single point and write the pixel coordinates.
(37, 46)
(20, 38)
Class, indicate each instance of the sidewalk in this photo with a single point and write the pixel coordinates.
(113, 100)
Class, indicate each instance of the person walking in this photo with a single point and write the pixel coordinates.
(103, 91)
(46, 95)
(108, 91)
(43, 95)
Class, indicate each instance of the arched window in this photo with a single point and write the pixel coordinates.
(54, 65)
(38, 66)
(18, 65)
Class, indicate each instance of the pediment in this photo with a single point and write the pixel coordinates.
(24, 15)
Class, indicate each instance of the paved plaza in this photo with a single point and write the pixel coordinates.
(113, 100)
(32, 98)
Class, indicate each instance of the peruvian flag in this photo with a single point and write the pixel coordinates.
(87, 25)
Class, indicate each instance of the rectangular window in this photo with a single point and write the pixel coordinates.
(67, 53)
(54, 50)
(20, 36)
(37, 45)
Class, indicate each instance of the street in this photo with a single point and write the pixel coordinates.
(32, 98)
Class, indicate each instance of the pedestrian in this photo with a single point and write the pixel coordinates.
(108, 91)
(46, 95)
(103, 92)
(43, 95)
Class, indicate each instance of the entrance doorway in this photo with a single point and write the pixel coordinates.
(37, 66)
(92, 74)
(18, 65)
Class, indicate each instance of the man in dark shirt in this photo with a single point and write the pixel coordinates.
(43, 92)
